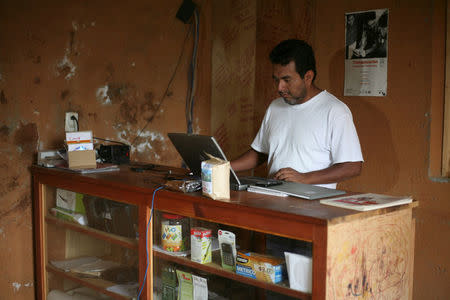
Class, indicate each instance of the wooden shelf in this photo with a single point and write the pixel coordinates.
(109, 237)
(97, 284)
(329, 230)
(216, 269)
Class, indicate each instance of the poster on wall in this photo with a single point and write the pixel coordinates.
(366, 45)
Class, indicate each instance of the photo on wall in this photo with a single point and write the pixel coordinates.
(366, 53)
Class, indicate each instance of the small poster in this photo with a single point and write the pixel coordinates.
(366, 46)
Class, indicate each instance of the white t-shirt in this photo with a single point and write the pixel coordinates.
(308, 137)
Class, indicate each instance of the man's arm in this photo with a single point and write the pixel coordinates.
(336, 173)
(249, 160)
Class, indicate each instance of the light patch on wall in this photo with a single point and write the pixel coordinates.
(16, 286)
(121, 135)
(197, 127)
(133, 64)
(36, 112)
(142, 147)
(148, 137)
(102, 95)
(75, 26)
(65, 66)
(152, 135)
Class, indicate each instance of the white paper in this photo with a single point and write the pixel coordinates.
(79, 136)
(299, 269)
(60, 295)
(80, 147)
(127, 290)
(366, 48)
(69, 264)
(200, 288)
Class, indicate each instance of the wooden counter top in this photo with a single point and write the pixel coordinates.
(310, 211)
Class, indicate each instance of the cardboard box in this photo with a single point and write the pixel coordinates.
(201, 245)
(261, 267)
(81, 153)
(82, 159)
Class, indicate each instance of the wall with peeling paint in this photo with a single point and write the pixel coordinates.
(109, 61)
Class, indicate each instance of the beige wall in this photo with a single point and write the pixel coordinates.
(60, 56)
(395, 130)
(111, 62)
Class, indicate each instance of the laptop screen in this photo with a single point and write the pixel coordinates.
(193, 148)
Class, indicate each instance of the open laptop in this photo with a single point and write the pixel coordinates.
(193, 148)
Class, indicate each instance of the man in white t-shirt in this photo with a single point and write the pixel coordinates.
(307, 135)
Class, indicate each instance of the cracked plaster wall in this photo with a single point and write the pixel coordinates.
(109, 61)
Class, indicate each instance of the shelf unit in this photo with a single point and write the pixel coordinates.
(347, 245)
(57, 239)
(93, 283)
(216, 269)
(112, 238)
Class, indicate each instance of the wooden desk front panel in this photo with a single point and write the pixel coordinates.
(371, 258)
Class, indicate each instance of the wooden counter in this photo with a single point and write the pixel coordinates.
(354, 253)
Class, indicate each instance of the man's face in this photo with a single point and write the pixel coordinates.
(289, 83)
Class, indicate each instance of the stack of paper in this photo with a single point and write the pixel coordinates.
(87, 265)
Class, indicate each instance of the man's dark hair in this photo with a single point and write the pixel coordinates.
(295, 50)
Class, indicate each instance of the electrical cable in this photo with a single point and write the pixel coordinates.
(146, 242)
(106, 140)
(167, 88)
(192, 75)
(76, 121)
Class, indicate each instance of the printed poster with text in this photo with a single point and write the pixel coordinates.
(366, 45)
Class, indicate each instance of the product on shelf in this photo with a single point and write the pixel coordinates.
(299, 269)
(227, 245)
(175, 233)
(185, 287)
(111, 216)
(69, 207)
(261, 267)
(201, 245)
(216, 178)
(169, 283)
(70, 201)
(66, 215)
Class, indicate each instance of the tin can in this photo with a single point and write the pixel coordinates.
(174, 233)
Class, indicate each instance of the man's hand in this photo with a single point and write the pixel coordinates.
(289, 174)
(336, 173)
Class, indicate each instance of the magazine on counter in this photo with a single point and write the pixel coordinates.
(367, 201)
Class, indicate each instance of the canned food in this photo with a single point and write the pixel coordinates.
(175, 233)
